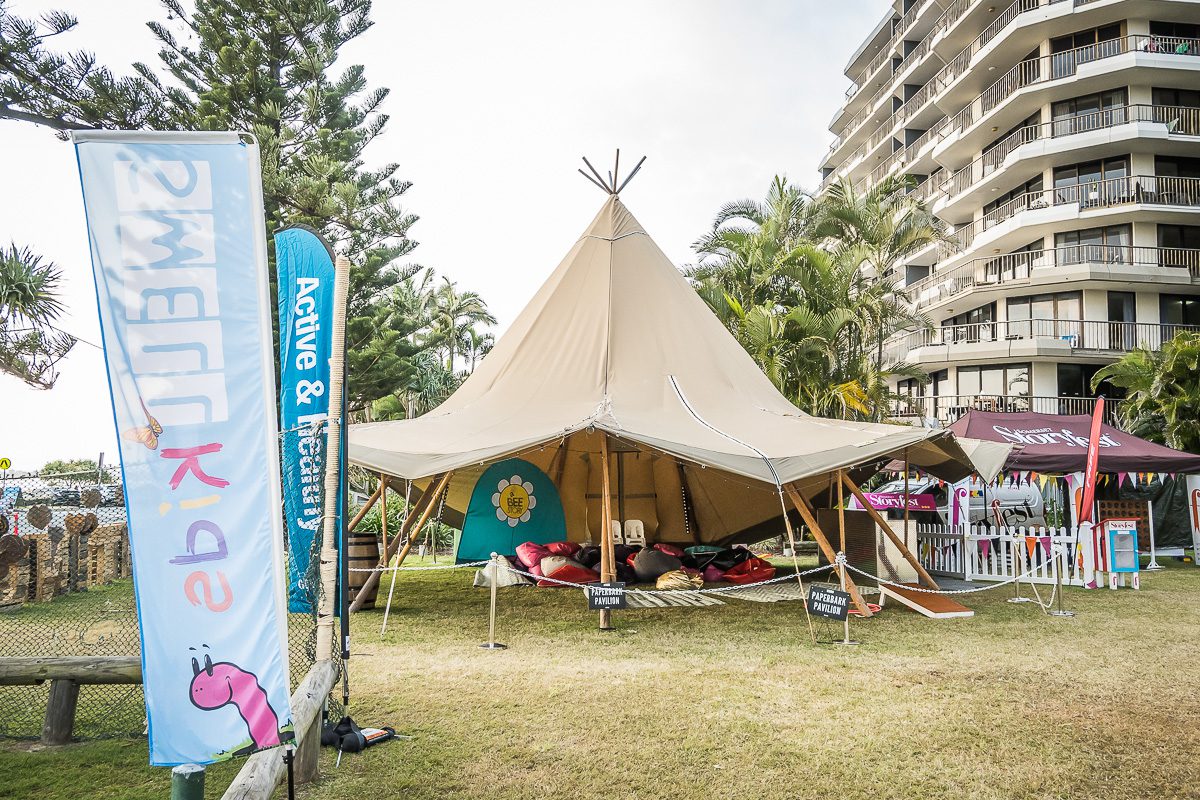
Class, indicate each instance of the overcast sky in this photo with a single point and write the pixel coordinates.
(492, 105)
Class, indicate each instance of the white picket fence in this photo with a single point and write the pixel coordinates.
(982, 553)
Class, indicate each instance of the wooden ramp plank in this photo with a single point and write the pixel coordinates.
(934, 606)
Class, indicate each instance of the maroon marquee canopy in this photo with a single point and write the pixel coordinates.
(1057, 443)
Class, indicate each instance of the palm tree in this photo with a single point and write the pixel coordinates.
(887, 225)
(455, 314)
(30, 345)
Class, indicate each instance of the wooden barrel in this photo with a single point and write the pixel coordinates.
(362, 553)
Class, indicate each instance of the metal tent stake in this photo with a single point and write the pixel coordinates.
(491, 643)
(1058, 587)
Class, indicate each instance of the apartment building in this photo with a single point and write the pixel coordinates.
(1059, 140)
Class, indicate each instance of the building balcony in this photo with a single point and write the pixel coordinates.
(1078, 200)
(1078, 134)
(988, 342)
(1077, 71)
(986, 279)
(947, 409)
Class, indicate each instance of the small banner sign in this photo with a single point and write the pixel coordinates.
(606, 595)
(829, 603)
(179, 254)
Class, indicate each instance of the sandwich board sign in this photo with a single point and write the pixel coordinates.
(603, 596)
(828, 603)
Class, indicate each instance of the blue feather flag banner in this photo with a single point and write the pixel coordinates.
(305, 268)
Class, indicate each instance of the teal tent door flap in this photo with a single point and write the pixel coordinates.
(512, 502)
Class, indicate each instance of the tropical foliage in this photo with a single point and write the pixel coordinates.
(807, 286)
(1162, 402)
(30, 345)
(269, 69)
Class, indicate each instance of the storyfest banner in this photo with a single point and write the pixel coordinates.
(304, 266)
(178, 248)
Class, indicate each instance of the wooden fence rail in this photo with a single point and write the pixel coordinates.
(66, 674)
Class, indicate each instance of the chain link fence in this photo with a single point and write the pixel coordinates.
(66, 589)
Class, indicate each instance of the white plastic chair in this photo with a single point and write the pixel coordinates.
(616, 533)
(635, 532)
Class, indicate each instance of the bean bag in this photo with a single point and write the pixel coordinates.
(622, 552)
(649, 564)
(730, 556)
(564, 569)
(625, 574)
(568, 549)
(669, 549)
(713, 575)
(690, 571)
(678, 579)
(535, 570)
(752, 570)
(531, 554)
(503, 577)
(588, 555)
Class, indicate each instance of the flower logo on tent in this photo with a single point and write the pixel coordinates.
(514, 500)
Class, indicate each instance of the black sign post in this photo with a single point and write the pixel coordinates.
(828, 603)
(606, 596)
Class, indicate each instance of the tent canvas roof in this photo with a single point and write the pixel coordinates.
(1058, 443)
(616, 340)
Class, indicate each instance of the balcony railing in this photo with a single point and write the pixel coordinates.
(998, 270)
(1182, 120)
(898, 33)
(1065, 65)
(1083, 336)
(949, 408)
(1159, 190)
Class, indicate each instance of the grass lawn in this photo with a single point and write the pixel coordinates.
(733, 701)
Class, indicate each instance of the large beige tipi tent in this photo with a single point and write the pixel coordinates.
(617, 367)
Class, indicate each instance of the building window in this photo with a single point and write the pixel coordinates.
(1090, 112)
(993, 388)
(1187, 98)
(1180, 30)
(1056, 316)
(1068, 52)
(1094, 245)
(1015, 264)
(1177, 167)
(1092, 183)
(976, 325)
(1020, 197)
(1184, 236)
(1177, 309)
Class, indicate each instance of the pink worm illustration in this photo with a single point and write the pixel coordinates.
(222, 683)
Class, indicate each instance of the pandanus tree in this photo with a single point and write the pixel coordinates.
(30, 345)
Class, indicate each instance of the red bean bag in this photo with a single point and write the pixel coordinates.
(568, 549)
(564, 569)
(752, 570)
(713, 575)
(670, 550)
(630, 558)
(531, 554)
(536, 569)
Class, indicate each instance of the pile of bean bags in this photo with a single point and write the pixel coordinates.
(574, 563)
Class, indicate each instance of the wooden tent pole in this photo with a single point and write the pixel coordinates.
(810, 519)
(383, 510)
(373, 579)
(607, 555)
(362, 512)
(887, 529)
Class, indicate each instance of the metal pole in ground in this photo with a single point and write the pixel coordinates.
(494, 569)
(187, 782)
(1058, 587)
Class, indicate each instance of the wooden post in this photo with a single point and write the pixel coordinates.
(383, 509)
(906, 466)
(607, 555)
(329, 553)
(887, 529)
(308, 752)
(810, 519)
(373, 579)
(60, 712)
(362, 512)
(187, 782)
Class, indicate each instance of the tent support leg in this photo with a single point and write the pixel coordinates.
(362, 512)
(607, 555)
(810, 519)
(926, 578)
(373, 579)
